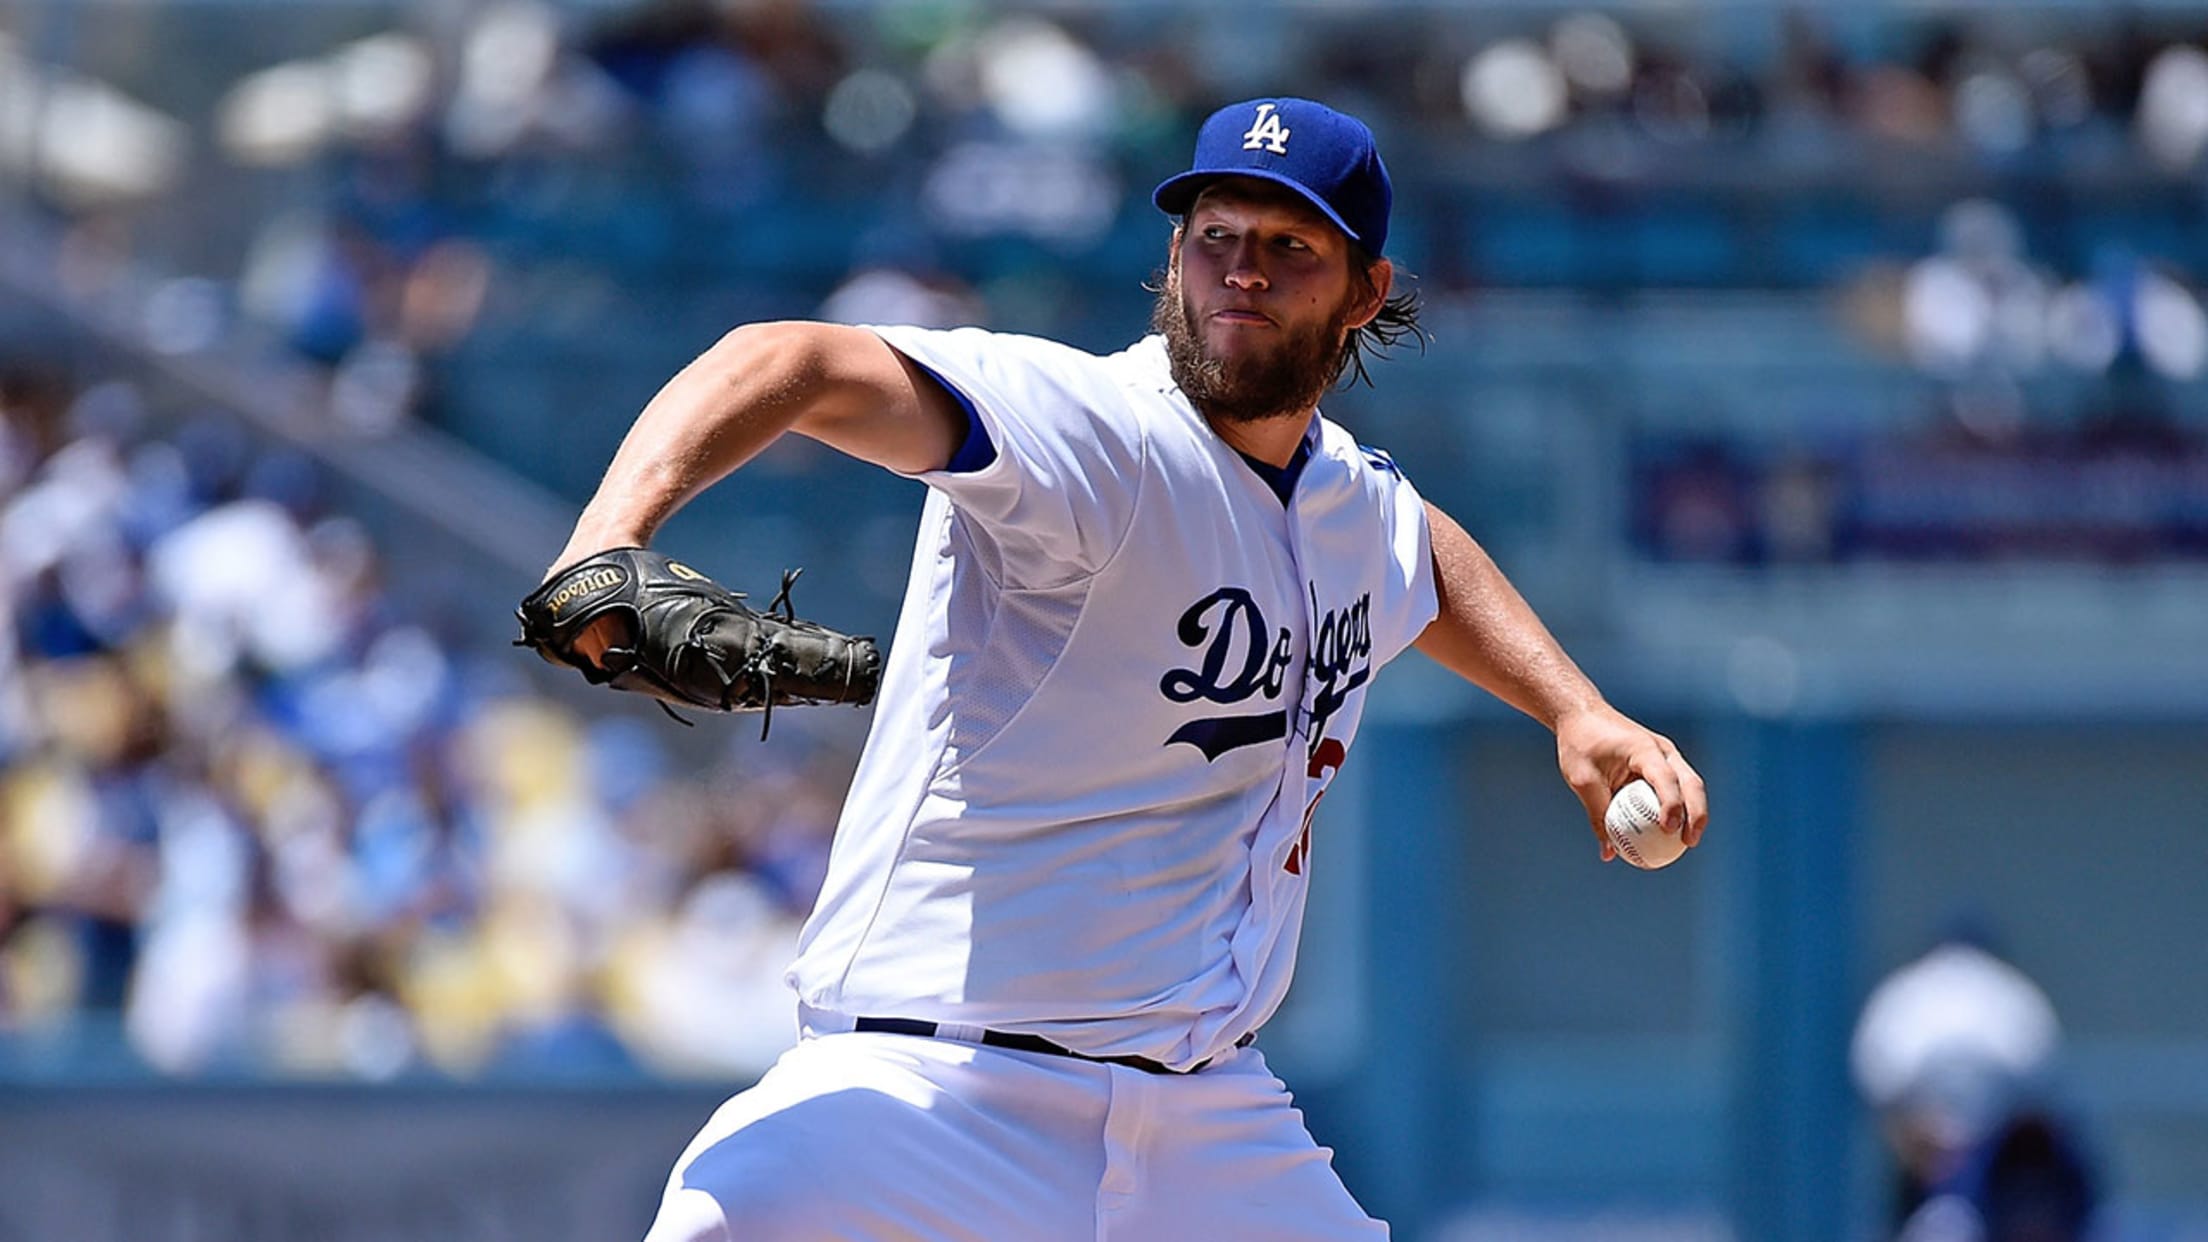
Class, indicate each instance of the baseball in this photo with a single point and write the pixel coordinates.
(1635, 824)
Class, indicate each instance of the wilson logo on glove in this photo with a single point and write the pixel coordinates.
(598, 580)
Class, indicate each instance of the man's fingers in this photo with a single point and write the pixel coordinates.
(1693, 793)
(1653, 765)
(607, 631)
(1594, 797)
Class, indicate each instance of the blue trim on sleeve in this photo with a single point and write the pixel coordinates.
(977, 451)
(1380, 460)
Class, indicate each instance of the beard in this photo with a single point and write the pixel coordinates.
(1286, 380)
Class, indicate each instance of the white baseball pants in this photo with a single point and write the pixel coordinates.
(868, 1137)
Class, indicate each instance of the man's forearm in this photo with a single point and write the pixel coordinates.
(1488, 634)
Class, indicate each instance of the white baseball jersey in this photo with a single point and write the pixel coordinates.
(1125, 672)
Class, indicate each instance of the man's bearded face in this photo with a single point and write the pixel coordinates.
(1264, 378)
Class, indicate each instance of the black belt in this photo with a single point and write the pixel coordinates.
(1029, 1043)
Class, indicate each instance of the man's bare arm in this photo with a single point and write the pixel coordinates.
(842, 386)
(1488, 634)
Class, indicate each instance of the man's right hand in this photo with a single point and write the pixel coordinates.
(607, 631)
(589, 538)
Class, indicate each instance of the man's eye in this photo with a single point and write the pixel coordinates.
(1213, 232)
(1294, 243)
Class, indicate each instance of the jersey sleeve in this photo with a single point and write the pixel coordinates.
(1412, 601)
(1052, 472)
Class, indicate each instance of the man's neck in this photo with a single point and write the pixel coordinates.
(1269, 440)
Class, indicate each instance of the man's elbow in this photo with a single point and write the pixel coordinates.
(793, 350)
(811, 372)
(848, 388)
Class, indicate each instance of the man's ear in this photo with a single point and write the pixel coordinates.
(1373, 293)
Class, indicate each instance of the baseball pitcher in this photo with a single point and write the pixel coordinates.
(1147, 601)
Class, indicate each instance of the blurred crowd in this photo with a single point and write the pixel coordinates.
(900, 159)
(2116, 473)
(258, 815)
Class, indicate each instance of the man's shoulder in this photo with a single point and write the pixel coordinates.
(978, 342)
(1032, 358)
(1339, 443)
(1141, 364)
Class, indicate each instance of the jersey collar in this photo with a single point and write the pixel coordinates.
(1282, 479)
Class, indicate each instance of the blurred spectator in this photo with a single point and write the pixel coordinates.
(2172, 120)
(2026, 1181)
(888, 295)
(1976, 303)
(1955, 1051)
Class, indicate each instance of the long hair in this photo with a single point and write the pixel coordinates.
(1397, 320)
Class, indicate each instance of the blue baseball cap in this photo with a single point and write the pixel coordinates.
(1328, 157)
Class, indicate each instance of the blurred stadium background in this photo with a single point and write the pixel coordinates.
(1829, 374)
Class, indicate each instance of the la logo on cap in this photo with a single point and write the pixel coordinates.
(1266, 132)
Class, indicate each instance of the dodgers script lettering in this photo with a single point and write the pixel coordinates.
(1230, 629)
(1221, 623)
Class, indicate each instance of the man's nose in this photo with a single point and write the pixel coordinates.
(1243, 271)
